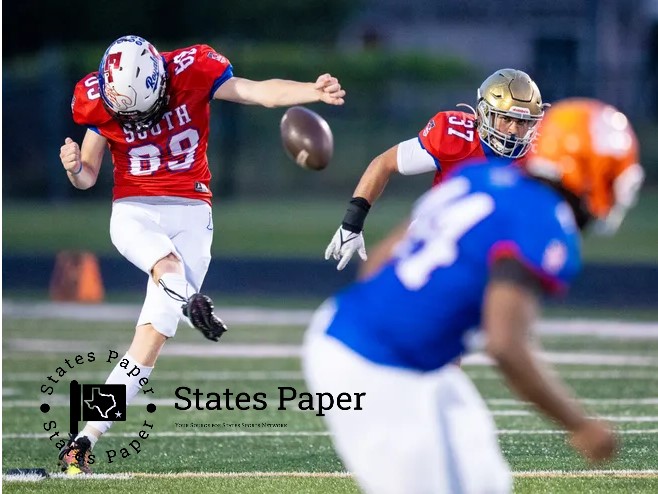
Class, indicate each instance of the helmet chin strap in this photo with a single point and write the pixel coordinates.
(509, 148)
(467, 106)
(149, 120)
(508, 144)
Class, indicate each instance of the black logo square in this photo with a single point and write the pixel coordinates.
(104, 402)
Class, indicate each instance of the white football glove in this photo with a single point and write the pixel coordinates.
(343, 246)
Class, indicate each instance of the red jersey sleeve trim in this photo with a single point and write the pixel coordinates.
(506, 249)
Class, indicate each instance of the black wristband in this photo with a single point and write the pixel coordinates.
(356, 214)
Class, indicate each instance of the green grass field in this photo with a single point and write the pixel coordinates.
(240, 451)
(290, 228)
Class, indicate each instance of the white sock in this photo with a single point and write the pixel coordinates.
(176, 289)
(119, 375)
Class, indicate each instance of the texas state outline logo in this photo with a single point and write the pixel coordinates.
(95, 402)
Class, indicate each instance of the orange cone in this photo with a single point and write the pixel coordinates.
(76, 278)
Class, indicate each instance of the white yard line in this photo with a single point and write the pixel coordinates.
(277, 376)
(88, 376)
(63, 476)
(607, 375)
(139, 401)
(631, 418)
(587, 473)
(130, 312)
(602, 328)
(201, 350)
(62, 401)
(551, 432)
(220, 475)
(300, 317)
(203, 432)
(58, 400)
(587, 401)
(576, 358)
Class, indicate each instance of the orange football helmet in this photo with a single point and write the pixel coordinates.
(590, 149)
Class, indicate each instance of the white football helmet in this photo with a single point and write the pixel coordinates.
(133, 81)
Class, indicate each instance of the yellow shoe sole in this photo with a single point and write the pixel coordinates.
(73, 470)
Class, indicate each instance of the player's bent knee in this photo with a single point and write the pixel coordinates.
(168, 264)
(159, 311)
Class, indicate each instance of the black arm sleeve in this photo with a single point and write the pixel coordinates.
(512, 270)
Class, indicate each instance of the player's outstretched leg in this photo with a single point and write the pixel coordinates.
(74, 456)
(199, 309)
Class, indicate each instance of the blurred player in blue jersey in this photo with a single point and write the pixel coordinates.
(468, 273)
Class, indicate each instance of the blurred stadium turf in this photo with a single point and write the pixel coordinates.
(282, 228)
(626, 394)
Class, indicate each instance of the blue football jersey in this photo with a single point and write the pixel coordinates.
(421, 310)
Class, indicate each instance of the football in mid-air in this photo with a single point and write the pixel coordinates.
(307, 138)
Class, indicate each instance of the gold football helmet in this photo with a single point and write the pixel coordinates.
(509, 100)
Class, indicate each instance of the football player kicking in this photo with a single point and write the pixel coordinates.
(468, 272)
(509, 107)
(152, 111)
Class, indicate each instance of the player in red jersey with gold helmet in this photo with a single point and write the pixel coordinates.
(152, 111)
(504, 125)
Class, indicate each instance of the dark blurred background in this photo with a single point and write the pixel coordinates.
(401, 62)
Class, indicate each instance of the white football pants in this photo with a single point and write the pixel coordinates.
(417, 433)
(145, 233)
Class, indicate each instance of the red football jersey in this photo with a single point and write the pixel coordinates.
(451, 138)
(170, 158)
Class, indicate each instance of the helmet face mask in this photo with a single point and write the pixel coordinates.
(133, 83)
(140, 121)
(504, 143)
(509, 96)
